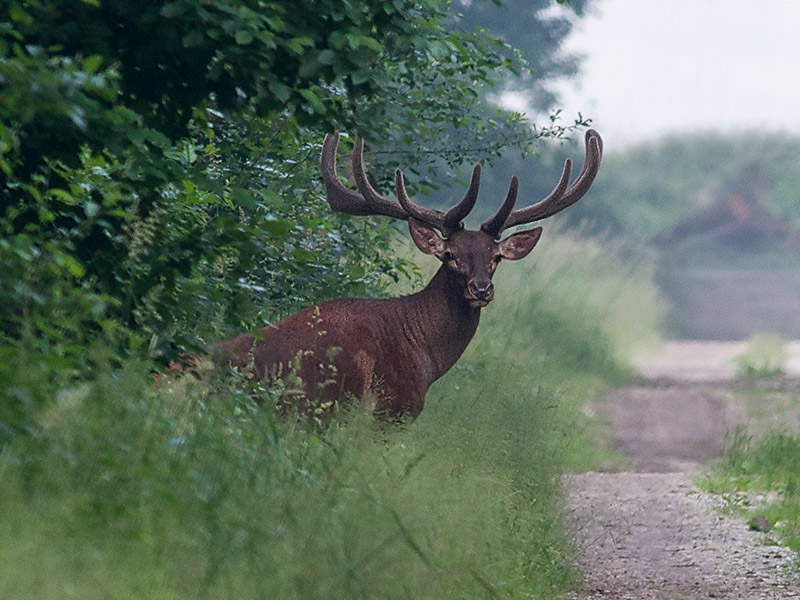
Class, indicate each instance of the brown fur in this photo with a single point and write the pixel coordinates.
(389, 351)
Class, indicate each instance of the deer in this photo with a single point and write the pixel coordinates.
(387, 352)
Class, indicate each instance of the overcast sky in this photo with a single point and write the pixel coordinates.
(654, 67)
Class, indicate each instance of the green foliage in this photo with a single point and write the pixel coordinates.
(159, 160)
(596, 291)
(762, 477)
(159, 171)
(188, 489)
(178, 495)
(765, 356)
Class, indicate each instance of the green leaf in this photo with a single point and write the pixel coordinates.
(299, 43)
(360, 76)
(357, 272)
(272, 199)
(62, 195)
(243, 197)
(243, 38)
(20, 16)
(326, 57)
(267, 38)
(73, 266)
(277, 227)
(92, 63)
(359, 41)
(155, 137)
(193, 39)
(314, 101)
(303, 256)
(280, 91)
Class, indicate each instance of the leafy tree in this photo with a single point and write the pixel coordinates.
(533, 28)
(534, 31)
(159, 163)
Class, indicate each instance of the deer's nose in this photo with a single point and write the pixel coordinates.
(481, 290)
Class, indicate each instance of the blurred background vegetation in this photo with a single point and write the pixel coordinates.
(720, 214)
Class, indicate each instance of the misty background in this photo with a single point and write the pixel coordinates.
(697, 105)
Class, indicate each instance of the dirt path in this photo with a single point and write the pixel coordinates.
(650, 533)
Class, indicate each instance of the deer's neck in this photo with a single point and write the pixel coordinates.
(440, 323)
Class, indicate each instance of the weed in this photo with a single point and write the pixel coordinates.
(765, 356)
(762, 477)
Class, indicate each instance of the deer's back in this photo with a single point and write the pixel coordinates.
(344, 347)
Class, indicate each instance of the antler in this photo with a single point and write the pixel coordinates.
(367, 201)
(560, 198)
(344, 200)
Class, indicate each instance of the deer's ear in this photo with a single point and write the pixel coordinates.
(519, 245)
(426, 238)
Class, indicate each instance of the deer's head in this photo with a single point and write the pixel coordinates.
(471, 256)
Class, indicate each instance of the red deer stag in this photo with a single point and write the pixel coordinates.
(387, 352)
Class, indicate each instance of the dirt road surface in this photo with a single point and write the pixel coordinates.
(650, 533)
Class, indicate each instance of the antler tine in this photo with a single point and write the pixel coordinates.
(344, 200)
(494, 226)
(340, 198)
(427, 215)
(564, 195)
(546, 204)
(367, 201)
(379, 204)
(455, 215)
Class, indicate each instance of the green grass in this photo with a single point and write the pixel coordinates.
(192, 494)
(189, 490)
(765, 357)
(759, 472)
(761, 476)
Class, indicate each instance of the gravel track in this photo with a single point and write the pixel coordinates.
(650, 533)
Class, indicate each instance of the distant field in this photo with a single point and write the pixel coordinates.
(732, 304)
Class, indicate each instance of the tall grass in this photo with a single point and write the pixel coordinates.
(761, 476)
(604, 289)
(198, 493)
(191, 490)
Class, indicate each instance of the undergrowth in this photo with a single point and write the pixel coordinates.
(765, 357)
(196, 492)
(185, 489)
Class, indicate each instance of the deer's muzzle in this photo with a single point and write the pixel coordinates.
(480, 293)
